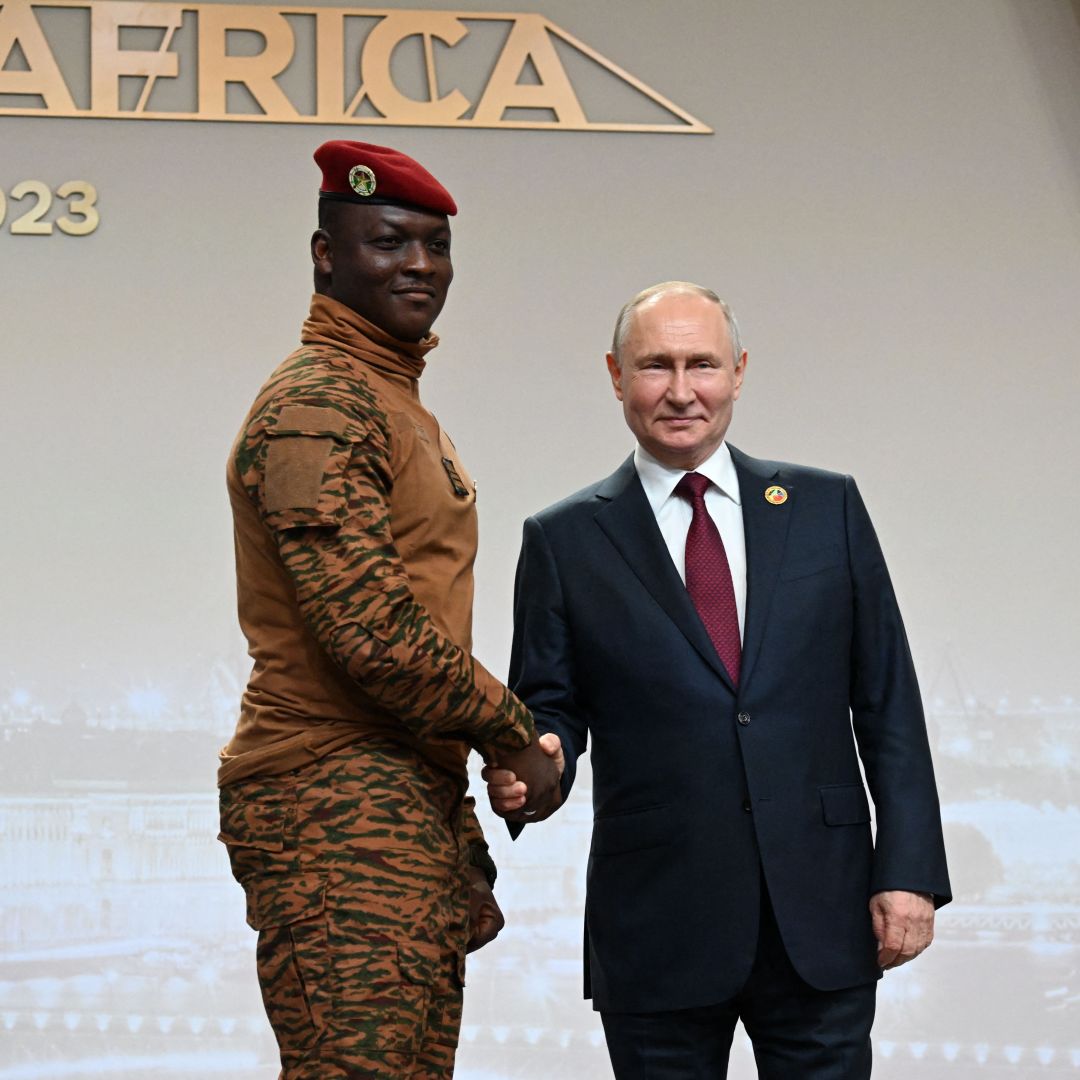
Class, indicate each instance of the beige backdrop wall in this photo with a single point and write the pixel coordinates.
(891, 202)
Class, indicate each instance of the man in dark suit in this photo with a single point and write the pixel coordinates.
(726, 631)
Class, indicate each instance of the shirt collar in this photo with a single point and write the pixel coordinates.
(660, 481)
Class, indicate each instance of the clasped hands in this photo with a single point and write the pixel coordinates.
(524, 786)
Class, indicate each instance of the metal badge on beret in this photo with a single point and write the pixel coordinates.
(362, 180)
(776, 495)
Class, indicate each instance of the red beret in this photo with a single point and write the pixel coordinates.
(365, 173)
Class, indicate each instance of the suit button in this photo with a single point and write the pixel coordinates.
(747, 806)
(744, 718)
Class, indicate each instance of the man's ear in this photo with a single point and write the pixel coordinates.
(740, 371)
(616, 374)
(322, 254)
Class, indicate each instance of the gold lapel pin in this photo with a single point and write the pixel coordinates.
(776, 495)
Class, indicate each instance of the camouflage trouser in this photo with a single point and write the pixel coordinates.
(354, 870)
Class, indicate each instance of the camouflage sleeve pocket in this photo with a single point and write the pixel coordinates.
(303, 481)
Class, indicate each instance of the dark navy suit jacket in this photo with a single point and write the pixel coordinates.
(700, 789)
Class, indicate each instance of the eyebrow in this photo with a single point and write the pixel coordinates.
(665, 356)
(406, 228)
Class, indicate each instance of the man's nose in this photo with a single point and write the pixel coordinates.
(418, 259)
(679, 388)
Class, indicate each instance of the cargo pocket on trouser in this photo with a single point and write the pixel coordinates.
(388, 1004)
(293, 960)
(384, 990)
(444, 1020)
(258, 820)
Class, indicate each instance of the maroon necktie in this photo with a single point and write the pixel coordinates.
(708, 576)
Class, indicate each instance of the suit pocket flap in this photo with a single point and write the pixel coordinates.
(273, 903)
(844, 804)
(806, 563)
(633, 830)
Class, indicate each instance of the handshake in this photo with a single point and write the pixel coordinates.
(525, 786)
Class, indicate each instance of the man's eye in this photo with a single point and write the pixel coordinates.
(387, 241)
(441, 247)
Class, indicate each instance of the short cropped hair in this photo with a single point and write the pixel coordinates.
(685, 288)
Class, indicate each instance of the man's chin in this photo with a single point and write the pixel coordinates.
(410, 330)
(414, 319)
(686, 453)
(685, 446)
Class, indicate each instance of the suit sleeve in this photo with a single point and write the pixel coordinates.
(887, 716)
(542, 668)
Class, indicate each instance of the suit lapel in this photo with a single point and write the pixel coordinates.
(766, 527)
(627, 520)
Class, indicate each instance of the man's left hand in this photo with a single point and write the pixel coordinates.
(903, 925)
(485, 916)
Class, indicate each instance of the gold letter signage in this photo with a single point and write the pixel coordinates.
(78, 200)
(119, 60)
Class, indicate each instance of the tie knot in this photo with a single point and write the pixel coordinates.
(692, 486)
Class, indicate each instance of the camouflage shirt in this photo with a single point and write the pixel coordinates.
(355, 528)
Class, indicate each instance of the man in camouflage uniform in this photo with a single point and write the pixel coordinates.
(343, 801)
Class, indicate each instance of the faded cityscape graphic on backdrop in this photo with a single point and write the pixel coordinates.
(125, 953)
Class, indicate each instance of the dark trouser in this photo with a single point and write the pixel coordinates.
(798, 1033)
(354, 869)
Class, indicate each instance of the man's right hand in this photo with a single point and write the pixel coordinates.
(525, 786)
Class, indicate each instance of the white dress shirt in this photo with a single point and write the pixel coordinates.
(674, 513)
